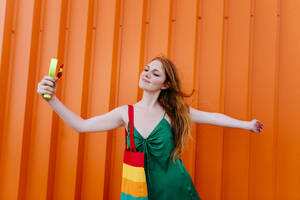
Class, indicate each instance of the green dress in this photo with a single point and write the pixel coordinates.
(166, 180)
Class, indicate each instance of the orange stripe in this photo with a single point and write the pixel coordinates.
(135, 189)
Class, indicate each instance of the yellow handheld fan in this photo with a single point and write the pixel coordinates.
(52, 73)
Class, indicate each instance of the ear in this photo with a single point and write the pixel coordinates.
(166, 86)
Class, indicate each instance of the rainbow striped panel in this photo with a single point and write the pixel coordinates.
(134, 182)
(129, 197)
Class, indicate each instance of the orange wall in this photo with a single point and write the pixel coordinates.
(241, 57)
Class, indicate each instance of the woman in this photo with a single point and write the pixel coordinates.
(162, 124)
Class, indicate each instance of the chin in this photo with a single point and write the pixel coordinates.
(142, 87)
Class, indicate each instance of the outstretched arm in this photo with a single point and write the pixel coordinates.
(107, 121)
(219, 119)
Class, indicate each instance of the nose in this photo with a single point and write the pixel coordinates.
(147, 75)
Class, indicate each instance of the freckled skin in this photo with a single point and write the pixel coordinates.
(146, 119)
(156, 78)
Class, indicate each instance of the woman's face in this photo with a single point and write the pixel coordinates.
(153, 77)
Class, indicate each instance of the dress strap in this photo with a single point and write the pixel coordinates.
(164, 115)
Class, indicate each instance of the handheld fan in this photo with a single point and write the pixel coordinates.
(52, 73)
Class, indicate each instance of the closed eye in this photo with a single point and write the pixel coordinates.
(154, 74)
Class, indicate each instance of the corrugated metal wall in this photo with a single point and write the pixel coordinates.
(242, 57)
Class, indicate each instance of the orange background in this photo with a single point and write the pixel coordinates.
(241, 57)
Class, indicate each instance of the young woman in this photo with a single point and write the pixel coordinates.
(162, 124)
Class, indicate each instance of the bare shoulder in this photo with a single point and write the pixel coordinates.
(107, 121)
(123, 111)
(168, 118)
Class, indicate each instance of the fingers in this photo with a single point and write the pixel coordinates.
(49, 80)
(50, 89)
(259, 126)
(46, 89)
(45, 83)
(256, 126)
(42, 91)
(47, 86)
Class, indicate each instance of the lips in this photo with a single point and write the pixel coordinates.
(146, 80)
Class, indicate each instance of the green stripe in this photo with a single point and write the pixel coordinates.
(129, 197)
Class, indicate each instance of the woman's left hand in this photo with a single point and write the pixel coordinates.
(256, 126)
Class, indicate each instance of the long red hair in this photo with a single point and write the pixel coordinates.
(172, 100)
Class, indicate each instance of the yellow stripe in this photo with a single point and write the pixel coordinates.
(136, 174)
(135, 189)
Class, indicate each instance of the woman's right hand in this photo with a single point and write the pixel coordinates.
(47, 86)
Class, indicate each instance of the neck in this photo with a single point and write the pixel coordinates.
(149, 100)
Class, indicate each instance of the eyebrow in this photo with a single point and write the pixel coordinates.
(154, 69)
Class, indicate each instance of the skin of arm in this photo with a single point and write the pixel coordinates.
(217, 119)
(73, 120)
(107, 121)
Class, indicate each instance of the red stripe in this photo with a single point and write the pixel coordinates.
(131, 122)
(135, 159)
